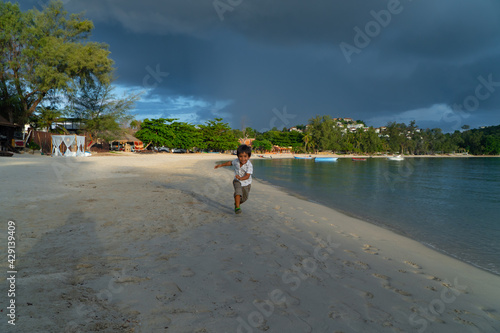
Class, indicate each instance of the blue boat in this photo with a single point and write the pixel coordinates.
(303, 157)
(325, 159)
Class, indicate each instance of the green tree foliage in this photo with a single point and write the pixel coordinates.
(397, 137)
(157, 132)
(217, 136)
(169, 133)
(325, 135)
(186, 136)
(250, 132)
(262, 145)
(46, 117)
(45, 51)
(101, 111)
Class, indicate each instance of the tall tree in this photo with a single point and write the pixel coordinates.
(100, 110)
(218, 136)
(44, 51)
(47, 117)
(324, 133)
(157, 132)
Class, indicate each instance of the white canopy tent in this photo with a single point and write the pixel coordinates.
(75, 142)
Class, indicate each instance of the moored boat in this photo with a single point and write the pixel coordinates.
(358, 159)
(396, 158)
(303, 157)
(325, 159)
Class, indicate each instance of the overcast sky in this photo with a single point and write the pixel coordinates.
(262, 63)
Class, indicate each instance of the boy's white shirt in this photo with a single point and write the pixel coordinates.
(247, 168)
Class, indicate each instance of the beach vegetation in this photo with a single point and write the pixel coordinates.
(50, 119)
(42, 53)
(100, 111)
(262, 146)
(217, 136)
(168, 132)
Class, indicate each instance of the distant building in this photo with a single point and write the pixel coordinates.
(280, 150)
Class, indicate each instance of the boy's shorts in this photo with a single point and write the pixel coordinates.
(242, 191)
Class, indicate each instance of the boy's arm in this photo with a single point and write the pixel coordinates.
(223, 164)
(245, 177)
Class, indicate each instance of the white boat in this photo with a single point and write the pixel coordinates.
(396, 158)
(325, 159)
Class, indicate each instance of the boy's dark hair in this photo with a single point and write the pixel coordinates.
(244, 149)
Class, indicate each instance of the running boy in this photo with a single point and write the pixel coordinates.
(243, 170)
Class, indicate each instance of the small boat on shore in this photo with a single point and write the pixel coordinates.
(358, 159)
(325, 159)
(396, 158)
(303, 157)
(264, 156)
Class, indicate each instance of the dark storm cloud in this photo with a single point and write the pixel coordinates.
(371, 60)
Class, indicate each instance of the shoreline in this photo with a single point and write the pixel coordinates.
(149, 243)
(376, 223)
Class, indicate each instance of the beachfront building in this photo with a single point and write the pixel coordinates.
(7, 133)
(281, 150)
(246, 141)
(126, 142)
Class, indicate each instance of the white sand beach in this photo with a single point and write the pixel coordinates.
(150, 243)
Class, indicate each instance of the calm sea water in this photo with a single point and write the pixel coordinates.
(450, 204)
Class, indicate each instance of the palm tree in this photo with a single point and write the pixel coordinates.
(307, 141)
(48, 116)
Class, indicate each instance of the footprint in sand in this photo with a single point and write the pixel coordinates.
(464, 322)
(368, 295)
(348, 315)
(187, 272)
(370, 249)
(236, 275)
(314, 234)
(352, 253)
(362, 265)
(381, 276)
(412, 264)
(434, 278)
(492, 313)
(401, 292)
